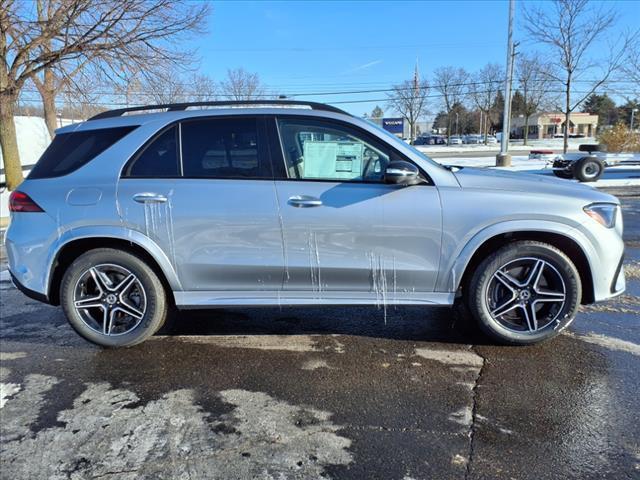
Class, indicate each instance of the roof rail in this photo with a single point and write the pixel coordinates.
(172, 107)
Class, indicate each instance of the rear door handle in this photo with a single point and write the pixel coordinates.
(304, 201)
(149, 197)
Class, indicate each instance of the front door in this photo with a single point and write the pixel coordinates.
(344, 229)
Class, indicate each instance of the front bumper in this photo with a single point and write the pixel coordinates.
(604, 249)
(618, 285)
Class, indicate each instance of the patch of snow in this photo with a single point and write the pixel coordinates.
(7, 390)
(291, 343)
(314, 364)
(451, 357)
(605, 341)
(11, 355)
(464, 416)
(108, 433)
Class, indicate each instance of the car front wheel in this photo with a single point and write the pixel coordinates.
(113, 298)
(524, 293)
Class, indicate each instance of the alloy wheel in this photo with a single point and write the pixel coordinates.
(110, 299)
(526, 295)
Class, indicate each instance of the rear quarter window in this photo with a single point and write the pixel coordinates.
(70, 151)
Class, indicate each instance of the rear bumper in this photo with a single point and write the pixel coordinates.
(28, 241)
(28, 292)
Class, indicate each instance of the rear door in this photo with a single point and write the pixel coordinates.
(345, 230)
(217, 219)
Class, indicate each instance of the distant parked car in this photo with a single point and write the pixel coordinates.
(430, 139)
(492, 140)
(472, 139)
(455, 141)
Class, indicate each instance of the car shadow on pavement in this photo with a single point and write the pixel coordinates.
(439, 324)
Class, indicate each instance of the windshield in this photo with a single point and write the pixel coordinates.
(398, 142)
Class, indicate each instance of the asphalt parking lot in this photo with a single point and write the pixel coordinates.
(324, 393)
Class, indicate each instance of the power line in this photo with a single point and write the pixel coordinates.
(338, 102)
(323, 93)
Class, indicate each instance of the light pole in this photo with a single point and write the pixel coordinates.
(457, 123)
(633, 111)
(503, 159)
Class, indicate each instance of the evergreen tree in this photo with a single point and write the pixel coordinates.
(518, 106)
(604, 107)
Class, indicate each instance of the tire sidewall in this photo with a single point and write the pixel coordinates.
(482, 279)
(581, 166)
(154, 292)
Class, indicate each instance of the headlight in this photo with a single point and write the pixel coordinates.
(603, 213)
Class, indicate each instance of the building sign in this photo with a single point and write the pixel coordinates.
(393, 125)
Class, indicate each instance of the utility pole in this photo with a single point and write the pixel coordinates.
(503, 159)
(633, 112)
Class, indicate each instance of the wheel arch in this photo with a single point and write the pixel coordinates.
(77, 244)
(569, 246)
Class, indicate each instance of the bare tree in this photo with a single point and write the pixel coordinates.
(377, 112)
(114, 35)
(203, 88)
(484, 89)
(409, 99)
(450, 83)
(571, 29)
(535, 86)
(242, 85)
(631, 66)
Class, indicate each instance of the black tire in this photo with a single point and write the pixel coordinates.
(588, 169)
(566, 174)
(504, 327)
(78, 277)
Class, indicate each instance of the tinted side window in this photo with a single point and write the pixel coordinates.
(223, 148)
(158, 159)
(70, 151)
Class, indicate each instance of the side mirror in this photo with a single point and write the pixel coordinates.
(401, 173)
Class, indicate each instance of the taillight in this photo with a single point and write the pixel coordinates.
(21, 202)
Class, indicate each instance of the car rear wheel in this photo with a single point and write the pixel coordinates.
(113, 298)
(524, 293)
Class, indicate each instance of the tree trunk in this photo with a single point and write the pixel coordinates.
(49, 104)
(526, 129)
(567, 112)
(47, 89)
(412, 131)
(9, 141)
(486, 127)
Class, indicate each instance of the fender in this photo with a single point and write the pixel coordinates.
(460, 258)
(120, 233)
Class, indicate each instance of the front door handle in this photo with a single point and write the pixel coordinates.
(304, 201)
(149, 197)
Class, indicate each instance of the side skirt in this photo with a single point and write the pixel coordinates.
(205, 299)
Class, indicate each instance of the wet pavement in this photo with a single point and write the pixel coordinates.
(324, 393)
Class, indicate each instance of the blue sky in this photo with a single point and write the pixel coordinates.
(307, 47)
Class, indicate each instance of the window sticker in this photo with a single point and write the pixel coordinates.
(333, 160)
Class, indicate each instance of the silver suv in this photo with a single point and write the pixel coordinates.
(130, 214)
